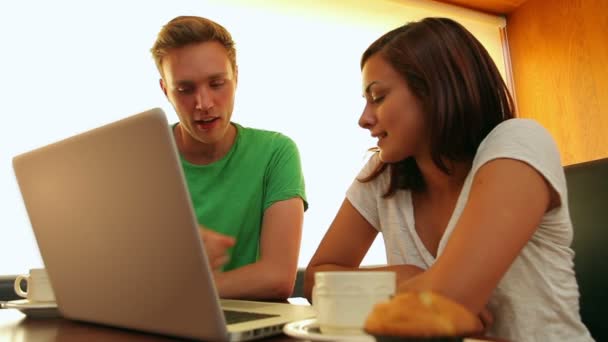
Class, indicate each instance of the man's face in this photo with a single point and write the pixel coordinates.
(199, 82)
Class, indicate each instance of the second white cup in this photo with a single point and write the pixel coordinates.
(38, 288)
(343, 299)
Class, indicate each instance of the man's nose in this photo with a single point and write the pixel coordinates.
(203, 99)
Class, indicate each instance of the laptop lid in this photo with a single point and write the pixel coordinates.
(117, 233)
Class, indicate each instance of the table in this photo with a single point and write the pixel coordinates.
(16, 327)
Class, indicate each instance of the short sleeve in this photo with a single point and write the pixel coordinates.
(527, 141)
(284, 178)
(365, 196)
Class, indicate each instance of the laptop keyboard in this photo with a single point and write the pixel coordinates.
(233, 317)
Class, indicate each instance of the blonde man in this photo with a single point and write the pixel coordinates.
(246, 185)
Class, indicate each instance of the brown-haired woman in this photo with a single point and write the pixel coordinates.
(470, 201)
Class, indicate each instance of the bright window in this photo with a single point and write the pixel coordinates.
(69, 66)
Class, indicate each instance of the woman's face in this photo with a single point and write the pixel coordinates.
(392, 113)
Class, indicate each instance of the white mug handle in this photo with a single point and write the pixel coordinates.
(17, 285)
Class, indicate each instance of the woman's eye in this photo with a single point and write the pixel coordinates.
(376, 99)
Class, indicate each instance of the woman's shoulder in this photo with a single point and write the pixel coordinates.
(371, 177)
(527, 141)
(372, 163)
(528, 129)
(519, 138)
(373, 166)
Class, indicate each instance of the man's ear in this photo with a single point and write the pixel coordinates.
(163, 87)
(236, 75)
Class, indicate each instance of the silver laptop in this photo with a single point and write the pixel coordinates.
(117, 233)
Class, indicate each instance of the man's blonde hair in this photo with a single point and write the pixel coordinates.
(186, 30)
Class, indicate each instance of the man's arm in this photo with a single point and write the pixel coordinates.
(273, 275)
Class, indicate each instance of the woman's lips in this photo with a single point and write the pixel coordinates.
(380, 137)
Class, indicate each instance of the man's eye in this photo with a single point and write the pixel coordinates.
(184, 90)
(217, 83)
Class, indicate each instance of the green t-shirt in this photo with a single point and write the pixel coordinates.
(231, 194)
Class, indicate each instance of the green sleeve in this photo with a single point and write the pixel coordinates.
(284, 178)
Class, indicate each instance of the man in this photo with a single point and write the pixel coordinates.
(246, 184)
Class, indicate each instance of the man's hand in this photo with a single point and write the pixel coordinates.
(216, 246)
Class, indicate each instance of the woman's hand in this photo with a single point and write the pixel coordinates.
(487, 319)
(216, 247)
(420, 283)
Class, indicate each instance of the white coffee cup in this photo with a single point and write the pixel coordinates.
(38, 286)
(343, 299)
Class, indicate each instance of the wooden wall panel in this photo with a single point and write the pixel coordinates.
(559, 56)
(490, 6)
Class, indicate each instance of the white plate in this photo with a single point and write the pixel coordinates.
(33, 309)
(309, 329)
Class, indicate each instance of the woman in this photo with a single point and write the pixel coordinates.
(470, 201)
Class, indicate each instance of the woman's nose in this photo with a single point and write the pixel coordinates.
(367, 119)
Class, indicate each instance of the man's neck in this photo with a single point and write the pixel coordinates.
(199, 153)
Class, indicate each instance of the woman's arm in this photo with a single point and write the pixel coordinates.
(344, 246)
(507, 201)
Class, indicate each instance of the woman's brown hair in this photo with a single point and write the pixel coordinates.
(462, 94)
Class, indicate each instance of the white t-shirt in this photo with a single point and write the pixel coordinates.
(537, 299)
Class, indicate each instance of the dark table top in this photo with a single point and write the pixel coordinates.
(16, 327)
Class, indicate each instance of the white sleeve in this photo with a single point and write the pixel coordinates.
(365, 196)
(527, 141)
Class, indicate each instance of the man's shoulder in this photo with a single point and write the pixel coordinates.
(264, 135)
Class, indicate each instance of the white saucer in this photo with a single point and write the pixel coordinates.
(309, 329)
(33, 309)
